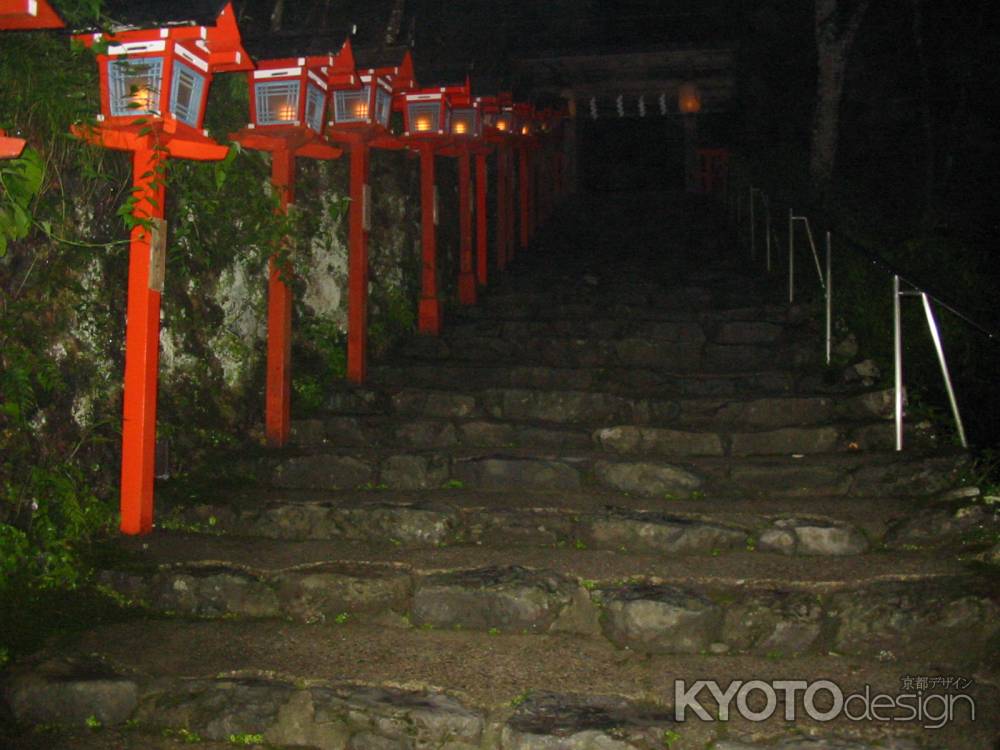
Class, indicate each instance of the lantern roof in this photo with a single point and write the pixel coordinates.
(220, 37)
(29, 14)
(143, 14)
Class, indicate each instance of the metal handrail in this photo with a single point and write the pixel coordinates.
(899, 279)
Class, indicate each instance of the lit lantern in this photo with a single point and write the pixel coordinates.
(28, 14)
(524, 119)
(504, 118)
(362, 99)
(466, 116)
(290, 92)
(288, 100)
(427, 112)
(361, 105)
(688, 99)
(154, 84)
(162, 75)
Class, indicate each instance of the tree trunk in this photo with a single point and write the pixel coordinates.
(276, 15)
(834, 39)
(395, 23)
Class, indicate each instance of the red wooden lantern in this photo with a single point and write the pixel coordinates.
(427, 113)
(28, 14)
(158, 79)
(688, 98)
(359, 111)
(498, 125)
(524, 119)
(288, 98)
(466, 114)
(290, 92)
(361, 99)
(154, 84)
(467, 141)
(503, 121)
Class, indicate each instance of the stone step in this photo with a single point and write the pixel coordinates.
(602, 409)
(350, 686)
(403, 520)
(749, 603)
(853, 473)
(340, 432)
(632, 351)
(695, 331)
(692, 304)
(631, 381)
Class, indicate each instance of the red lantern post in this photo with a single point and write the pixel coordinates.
(467, 135)
(287, 113)
(500, 130)
(154, 85)
(427, 129)
(361, 106)
(524, 133)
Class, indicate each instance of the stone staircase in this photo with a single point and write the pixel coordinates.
(621, 470)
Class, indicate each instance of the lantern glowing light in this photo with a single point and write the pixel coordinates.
(143, 99)
(422, 124)
(688, 99)
(460, 127)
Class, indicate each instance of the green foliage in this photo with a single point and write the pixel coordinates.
(20, 183)
(246, 739)
(394, 316)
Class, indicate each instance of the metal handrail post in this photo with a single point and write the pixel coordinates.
(829, 298)
(812, 247)
(936, 337)
(897, 359)
(791, 257)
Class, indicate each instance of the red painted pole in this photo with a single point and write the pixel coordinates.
(482, 260)
(357, 275)
(466, 276)
(501, 233)
(525, 170)
(511, 206)
(429, 314)
(142, 349)
(278, 389)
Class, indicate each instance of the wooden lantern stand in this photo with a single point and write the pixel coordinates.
(152, 140)
(358, 138)
(285, 143)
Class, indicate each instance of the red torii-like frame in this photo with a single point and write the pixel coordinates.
(359, 130)
(286, 135)
(17, 15)
(152, 137)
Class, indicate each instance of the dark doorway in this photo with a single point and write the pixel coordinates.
(631, 153)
